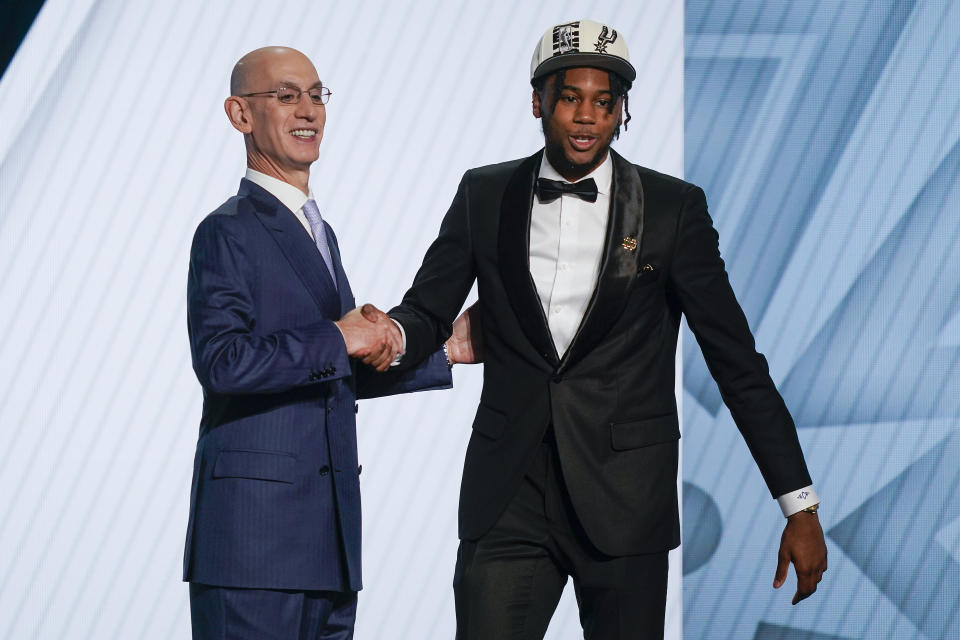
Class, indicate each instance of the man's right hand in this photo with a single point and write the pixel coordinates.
(374, 342)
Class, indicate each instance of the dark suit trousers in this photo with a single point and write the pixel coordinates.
(507, 584)
(224, 613)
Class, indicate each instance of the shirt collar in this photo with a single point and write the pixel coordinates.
(603, 174)
(291, 197)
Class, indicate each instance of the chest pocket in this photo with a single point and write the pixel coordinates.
(646, 275)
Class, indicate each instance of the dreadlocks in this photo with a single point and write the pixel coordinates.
(619, 88)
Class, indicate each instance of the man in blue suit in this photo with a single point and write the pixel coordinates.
(273, 541)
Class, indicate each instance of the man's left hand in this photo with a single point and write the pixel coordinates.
(802, 543)
(465, 345)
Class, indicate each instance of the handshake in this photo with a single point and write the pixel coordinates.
(374, 339)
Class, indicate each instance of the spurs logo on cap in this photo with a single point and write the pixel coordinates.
(566, 38)
(581, 43)
(607, 36)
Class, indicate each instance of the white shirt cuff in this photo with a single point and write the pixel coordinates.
(798, 500)
(403, 336)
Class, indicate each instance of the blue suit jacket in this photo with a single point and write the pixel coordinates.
(275, 500)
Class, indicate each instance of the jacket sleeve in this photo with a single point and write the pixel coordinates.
(432, 374)
(229, 356)
(699, 281)
(442, 284)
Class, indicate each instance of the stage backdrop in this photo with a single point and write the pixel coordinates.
(827, 137)
(113, 146)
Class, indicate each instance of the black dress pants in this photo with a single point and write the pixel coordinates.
(507, 583)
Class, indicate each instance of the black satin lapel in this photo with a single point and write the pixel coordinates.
(513, 253)
(297, 245)
(619, 266)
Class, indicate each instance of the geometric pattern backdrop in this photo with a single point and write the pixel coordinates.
(113, 146)
(827, 137)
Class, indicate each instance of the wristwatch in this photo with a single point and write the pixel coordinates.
(446, 354)
(812, 508)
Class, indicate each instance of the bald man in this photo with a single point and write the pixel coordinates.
(273, 541)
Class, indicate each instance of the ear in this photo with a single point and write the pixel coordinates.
(536, 105)
(238, 113)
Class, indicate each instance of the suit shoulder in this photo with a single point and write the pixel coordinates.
(490, 178)
(231, 216)
(233, 222)
(232, 211)
(652, 179)
(496, 170)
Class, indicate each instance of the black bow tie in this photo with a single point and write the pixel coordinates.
(550, 190)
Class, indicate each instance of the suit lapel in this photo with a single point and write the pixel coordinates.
(618, 268)
(347, 301)
(513, 252)
(296, 244)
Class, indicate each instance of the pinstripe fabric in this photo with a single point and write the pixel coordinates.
(828, 135)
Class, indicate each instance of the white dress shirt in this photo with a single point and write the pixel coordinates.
(566, 246)
(566, 243)
(291, 197)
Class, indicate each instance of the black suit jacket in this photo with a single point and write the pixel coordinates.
(610, 398)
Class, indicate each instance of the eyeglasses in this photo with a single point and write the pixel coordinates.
(291, 95)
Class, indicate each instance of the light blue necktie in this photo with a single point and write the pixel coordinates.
(319, 236)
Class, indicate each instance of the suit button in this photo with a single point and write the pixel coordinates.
(359, 469)
(329, 410)
(333, 370)
(356, 408)
(558, 378)
(324, 470)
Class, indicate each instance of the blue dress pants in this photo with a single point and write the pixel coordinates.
(224, 613)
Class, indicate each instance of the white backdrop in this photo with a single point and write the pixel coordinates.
(113, 146)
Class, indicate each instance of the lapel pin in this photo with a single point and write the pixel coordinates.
(630, 243)
(645, 268)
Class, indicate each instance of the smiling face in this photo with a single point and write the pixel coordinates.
(578, 125)
(282, 140)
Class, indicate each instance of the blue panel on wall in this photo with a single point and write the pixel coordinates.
(879, 358)
(776, 632)
(849, 44)
(892, 539)
(827, 137)
(721, 111)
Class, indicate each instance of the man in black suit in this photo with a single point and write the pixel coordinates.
(585, 264)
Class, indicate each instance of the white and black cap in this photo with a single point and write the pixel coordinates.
(581, 43)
